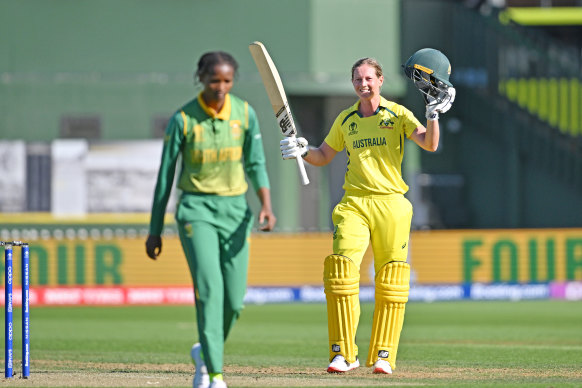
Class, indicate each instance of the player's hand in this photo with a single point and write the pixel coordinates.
(153, 246)
(433, 107)
(447, 103)
(293, 147)
(267, 220)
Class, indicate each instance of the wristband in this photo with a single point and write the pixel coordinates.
(432, 116)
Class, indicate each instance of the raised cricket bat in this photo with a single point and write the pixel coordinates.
(277, 96)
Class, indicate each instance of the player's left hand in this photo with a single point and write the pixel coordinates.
(153, 246)
(293, 147)
(433, 107)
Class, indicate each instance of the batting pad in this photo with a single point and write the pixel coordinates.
(341, 280)
(392, 287)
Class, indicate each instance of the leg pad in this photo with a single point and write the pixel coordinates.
(341, 279)
(392, 288)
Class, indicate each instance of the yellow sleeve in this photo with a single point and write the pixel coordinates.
(335, 137)
(410, 123)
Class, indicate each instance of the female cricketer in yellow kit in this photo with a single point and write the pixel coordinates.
(374, 209)
(217, 136)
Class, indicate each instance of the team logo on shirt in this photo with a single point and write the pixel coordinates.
(352, 129)
(386, 124)
(235, 129)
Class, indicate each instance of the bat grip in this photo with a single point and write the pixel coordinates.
(302, 173)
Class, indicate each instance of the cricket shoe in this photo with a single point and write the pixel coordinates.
(201, 378)
(382, 366)
(340, 365)
(218, 383)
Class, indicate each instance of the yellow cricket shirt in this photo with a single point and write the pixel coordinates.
(374, 146)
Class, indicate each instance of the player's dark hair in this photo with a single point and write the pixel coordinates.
(370, 62)
(209, 60)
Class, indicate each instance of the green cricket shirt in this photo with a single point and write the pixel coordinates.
(216, 150)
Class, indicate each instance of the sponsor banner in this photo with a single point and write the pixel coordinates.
(261, 295)
(118, 259)
(122, 262)
(568, 291)
(496, 256)
(509, 291)
(17, 296)
(312, 294)
(110, 296)
(420, 293)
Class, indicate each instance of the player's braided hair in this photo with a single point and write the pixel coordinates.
(370, 62)
(209, 60)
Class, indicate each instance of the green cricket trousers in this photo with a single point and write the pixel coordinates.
(214, 232)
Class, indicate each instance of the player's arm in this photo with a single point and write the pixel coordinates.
(292, 148)
(172, 144)
(427, 137)
(256, 170)
(267, 218)
(255, 164)
(321, 155)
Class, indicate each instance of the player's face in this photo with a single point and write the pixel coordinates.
(218, 84)
(366, 83)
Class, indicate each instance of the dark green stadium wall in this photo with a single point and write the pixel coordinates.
(513, 178)
(130, 64)
(129, 61)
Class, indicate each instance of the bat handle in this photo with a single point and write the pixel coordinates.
(302, 173)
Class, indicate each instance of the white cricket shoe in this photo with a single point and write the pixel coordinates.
(201, 378)
(218, 383)
(340, 365)
(382, 366)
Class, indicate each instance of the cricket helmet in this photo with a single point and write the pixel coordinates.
(429, 69)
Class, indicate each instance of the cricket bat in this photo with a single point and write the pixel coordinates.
(277, 96)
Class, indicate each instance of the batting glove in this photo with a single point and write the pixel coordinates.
(293, 147)
(433, 107)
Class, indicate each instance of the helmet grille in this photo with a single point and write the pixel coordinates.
(431, 88)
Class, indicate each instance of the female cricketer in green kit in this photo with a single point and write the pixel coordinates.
(217, 136)
(373, 209)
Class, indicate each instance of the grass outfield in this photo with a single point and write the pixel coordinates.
(461, 344)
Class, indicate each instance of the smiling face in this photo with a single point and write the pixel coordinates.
(366, 82)
(218, 83)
